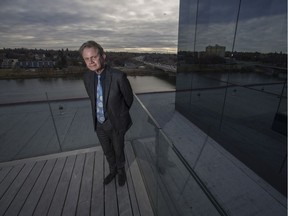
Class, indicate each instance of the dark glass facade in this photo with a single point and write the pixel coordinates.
(231, 79)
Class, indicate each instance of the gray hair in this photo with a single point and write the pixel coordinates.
(91, 44)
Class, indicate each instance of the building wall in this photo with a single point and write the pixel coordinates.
(239, 98)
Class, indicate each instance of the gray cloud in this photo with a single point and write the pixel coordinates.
(143, 25)
(262, 25)
(129, 25)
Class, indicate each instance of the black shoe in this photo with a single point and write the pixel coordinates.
(109, 178)
(121, 178)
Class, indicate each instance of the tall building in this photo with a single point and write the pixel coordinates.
(241, 102)
(216, 50)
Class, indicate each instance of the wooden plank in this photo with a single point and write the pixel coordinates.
(68, 186)
(50, 156)
(50, 188)
(139, 198)
(71, 201)
(146, 173)
(15, 187)
(7, 181)
(123, 197)
(62, 187)
(111, 206)
(25, 189)
(132, 193)
(161, 201)
(86, 186)
(97, 199)
(33, 198)
(130, 183)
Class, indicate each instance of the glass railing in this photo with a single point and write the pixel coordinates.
(173, 186)
(45, 127)
(52, 126)
(187, 172)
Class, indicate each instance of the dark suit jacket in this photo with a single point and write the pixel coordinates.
(118, 97)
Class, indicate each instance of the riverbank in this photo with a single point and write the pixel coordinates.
(21, 73)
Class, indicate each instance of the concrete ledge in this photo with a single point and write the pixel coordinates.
(50, 156)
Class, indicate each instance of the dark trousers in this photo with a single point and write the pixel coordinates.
(112, 144)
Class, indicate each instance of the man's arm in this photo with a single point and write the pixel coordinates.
(126, 90)
(87, 82)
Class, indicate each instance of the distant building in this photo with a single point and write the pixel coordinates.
(9, 63)
(36, 64)
(216, 50)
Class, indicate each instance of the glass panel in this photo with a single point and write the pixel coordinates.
(26, 131)
(74, 124)
(231, 79)
(247, 128)
(143, 136)
(45, 127)
(173, 190)
(181, 189)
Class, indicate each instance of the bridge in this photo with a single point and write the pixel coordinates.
(170, 69)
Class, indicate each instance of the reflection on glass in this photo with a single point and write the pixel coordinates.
(172, 189)
(231, 79)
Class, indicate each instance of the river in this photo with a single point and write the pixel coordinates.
(25, 90)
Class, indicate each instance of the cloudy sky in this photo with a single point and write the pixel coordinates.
(130, 25)
(262, 25)
(144, 25)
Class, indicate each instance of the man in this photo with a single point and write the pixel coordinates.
(111, 97)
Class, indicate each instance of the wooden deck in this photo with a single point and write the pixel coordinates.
(71, 183)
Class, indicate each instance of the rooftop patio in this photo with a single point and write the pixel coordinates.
(52, 164)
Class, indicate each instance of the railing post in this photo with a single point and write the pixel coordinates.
(53, 122)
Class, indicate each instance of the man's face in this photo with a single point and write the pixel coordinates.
(93, 60)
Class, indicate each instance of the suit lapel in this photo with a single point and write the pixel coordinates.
(107, 86)
(92, 88)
